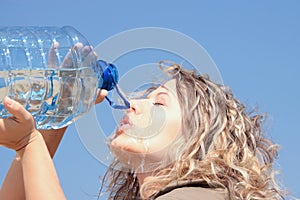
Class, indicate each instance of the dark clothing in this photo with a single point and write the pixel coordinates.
(189, 190)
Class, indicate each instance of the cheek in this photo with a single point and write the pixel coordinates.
(167, 135)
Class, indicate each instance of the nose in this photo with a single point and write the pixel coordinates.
(137, 106)
(134, 108)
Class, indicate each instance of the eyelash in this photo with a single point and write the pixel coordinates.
(159, 100)
(158, 104)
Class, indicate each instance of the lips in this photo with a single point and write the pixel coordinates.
(124, 124)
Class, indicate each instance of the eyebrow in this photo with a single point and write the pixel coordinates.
(165, 87)
(162, 86)
(163, 92)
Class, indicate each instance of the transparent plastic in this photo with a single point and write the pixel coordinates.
(53, 72)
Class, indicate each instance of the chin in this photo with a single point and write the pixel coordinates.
(124, 143)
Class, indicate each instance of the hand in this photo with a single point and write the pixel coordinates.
(86, 54)
(53, 137)
(18, 131)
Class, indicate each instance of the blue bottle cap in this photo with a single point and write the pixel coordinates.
(109, 80)
(109, 76)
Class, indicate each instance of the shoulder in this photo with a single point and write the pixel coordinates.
(189, 193)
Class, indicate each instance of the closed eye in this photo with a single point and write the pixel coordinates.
(158, 104)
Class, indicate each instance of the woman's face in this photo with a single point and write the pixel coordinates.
(149, 126)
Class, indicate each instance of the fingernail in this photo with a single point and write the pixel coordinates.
(8, 101)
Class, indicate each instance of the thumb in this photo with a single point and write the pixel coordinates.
(16, 109)
(101, 95)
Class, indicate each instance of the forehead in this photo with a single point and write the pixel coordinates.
(171, 85)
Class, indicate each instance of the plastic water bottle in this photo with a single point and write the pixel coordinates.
(53, 72)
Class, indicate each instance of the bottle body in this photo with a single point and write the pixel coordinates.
(51, 71)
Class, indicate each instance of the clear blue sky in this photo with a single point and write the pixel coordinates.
(255, 44)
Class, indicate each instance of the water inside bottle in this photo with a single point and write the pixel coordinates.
(55, 97)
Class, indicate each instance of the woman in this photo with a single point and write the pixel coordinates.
(209, 146)
(188, 139)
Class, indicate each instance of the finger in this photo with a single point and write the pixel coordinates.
(86, 51)
(101, 95)
(16, 109)
(69, 58)
(87, 56)
(52, 55)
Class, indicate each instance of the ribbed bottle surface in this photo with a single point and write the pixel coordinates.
(51, 71)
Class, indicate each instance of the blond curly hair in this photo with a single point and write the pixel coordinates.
(222, 145)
